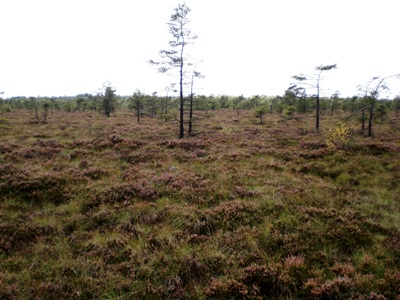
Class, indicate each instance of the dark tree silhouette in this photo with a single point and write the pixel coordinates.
(109, 99)
(314, 82)
(175, 57)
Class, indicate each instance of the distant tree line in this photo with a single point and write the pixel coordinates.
(154, 105)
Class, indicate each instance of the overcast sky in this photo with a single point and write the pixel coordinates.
(68, 47)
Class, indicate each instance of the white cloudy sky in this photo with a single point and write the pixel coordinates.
(67, 47)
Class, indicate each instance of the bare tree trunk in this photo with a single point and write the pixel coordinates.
(191, 113)
(317, 112)
(36, 111)
(166, 109)
(45, 115)
(2, 104)
(371, 116)
(363, 120)
(181, 129)
(190, 131)
(138, 111)
(321, 69)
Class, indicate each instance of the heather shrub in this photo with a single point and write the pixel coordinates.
(110, 248)
(392, 243)
(93, 173)
(371, 296)
(129, 192)
(231, 214)
(268, 281)
(229, 289)
(186, 186)
(185, 144)
(146, 213)
(101, 143)
(390, 287)
(240, 243)
(7, 147)
(53, 290)
(315, 154)
(18, 236)
(143, 155)
(79, 153)
(295, 272)
(244, 192)
(29, 186)
(343, 269)
(195, 222)
(33, 153)
(337, 288)
(47, 144)
(377, 148)
(102, 219)
(348, 230)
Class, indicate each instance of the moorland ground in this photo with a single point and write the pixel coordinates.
(108, 208)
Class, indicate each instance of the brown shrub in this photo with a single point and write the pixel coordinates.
(113, 251)
(7, 147)
(295, 271)
(129, 192)
(343, 269)
(267, 281)
(371, 296)
(243, 192)
(129, 144)
(392, 243)
(195, 222)
(141, 156)
(318, 153)
(102, 143)
(377, 148)
(103, 219)
(16, 237)
(93, 173)
(349, 230)
(33, 152)
(185, 144)
(80, 143)
(28, 185)
(47, 144)
(232, 214)
(54, 290)
(185, 185)
(230, 289)
(80, 153)
(312, 144)
(337, 288)
(391, 285)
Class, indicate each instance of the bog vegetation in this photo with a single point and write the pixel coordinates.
(97, 207)
(288, 197)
